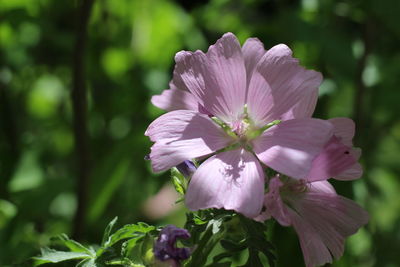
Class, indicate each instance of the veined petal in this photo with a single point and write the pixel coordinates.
(290, 86)
(175, 99)
(217, 79)
(333, 160)
(253, 50)
(352, 173)
(274, 205)
(259, 100)
(177, 82)
(321, 187)
(355, 171)
(183, 134)
(305, 107)
(344, 129)
(321, 218)
(291, 146)
(314, 250)
(233, 180)
(323, 221)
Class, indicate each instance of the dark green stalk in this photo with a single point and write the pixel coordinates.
(206, 245)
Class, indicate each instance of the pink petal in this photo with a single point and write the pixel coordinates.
(291, 146)
(175, 99)
(334, 159)
(344, 129)
(217, 79)
(315, 252)
(287, 86)
(323, 221)
(259, 100)
(233, 180)
(321, 187)
(352, 173)
(305, 107)
(177, 82)
(183, 134)
(274, 205)
(253, 50)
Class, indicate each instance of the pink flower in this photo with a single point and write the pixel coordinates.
(321, 218)
(338, 159)
(242, 106)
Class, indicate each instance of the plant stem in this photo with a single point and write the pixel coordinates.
(79, 101)
(206, 244)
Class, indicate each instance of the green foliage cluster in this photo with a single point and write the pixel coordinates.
(233, 232)
(130, 45)
(137, 239)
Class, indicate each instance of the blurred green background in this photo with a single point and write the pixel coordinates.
(128, 57)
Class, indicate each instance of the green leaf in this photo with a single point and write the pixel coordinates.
(127, 231)
(146, 252)
(179, 181)
(233, 246)
(223, 255)
(129, 245)
(73, 245)
(124, 262)
(209, 239)
(54, 256)
(199, 221)
(178, 186)
(253, 260)
(257, 241)
(107, 232)
(87, 263)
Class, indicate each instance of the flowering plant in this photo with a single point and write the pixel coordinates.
(244, 150)
(243, 112)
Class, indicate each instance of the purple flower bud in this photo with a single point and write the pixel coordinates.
(187, 168)
(165, 246)
(147, 157)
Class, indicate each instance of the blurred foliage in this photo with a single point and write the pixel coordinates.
(129, 57)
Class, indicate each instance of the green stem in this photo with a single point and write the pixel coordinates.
(206, 244)
(258, 132)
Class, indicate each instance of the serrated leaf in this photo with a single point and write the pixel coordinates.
(209, 239)
(233, 246)
(199, 221)
(53, 256)
(253, 260)
(108, 230)
(146, 250)
(223, 255)
(179, 181)
(257, 241)
(178, 185)
(127, 231)
(124, 262)
(73, 245)
(87, 263)
(265, 247)
(130, 244)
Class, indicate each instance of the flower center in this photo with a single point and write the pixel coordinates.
(241, 127)
(243, 130)
(292, 187)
